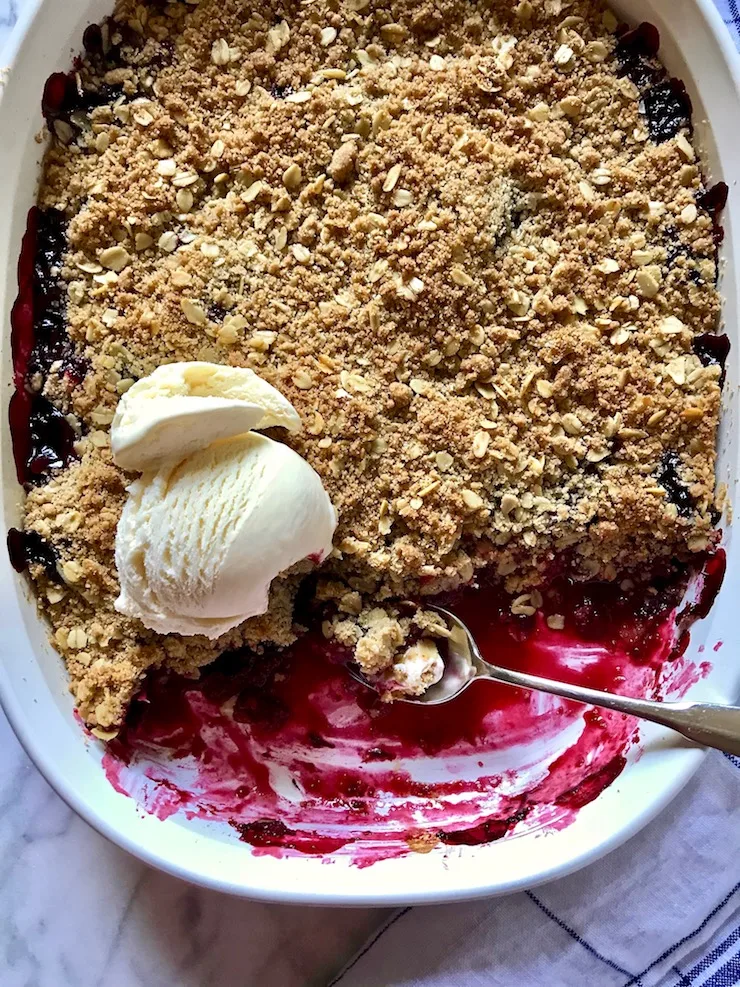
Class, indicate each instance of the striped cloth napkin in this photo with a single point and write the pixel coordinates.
(730, 11)
(662, 911)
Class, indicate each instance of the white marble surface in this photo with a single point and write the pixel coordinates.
(75, 910)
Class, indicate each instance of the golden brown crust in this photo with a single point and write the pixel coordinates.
(441, 230)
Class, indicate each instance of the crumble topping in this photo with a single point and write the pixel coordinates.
(450, 236)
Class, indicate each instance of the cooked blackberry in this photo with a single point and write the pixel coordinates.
(51, 441)
(635, 53)
(713, 348)
(667, 109)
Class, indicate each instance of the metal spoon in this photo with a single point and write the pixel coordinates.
(708, 724)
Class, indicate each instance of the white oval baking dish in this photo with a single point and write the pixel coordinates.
(696, 48)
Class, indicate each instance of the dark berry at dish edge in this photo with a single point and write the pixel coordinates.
(636, 51)
(713, 576)
(670, 479)
(713, 348)
(51, 440)
(108, 45)
(63, 97)
(104, 41)
(667, 109)
(51, 342)
(42, 437)
(714, 200)
(666, 103)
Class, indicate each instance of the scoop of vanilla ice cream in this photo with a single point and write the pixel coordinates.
(183, 407)
(201, 540)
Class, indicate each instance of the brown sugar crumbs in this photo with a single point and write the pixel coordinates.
(444, 231)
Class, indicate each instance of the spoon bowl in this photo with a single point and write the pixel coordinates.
(463, 664)
(709, 724)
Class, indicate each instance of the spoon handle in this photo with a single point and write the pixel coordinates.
(705, 723)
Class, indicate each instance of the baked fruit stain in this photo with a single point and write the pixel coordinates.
(284, 746)
(299, 757)
(43, 438)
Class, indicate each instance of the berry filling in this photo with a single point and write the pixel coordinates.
(27, 548)
(666, 103)
(642, 41)
(63, 97)
(43, 439)
(675, 488)
(181, 748)
(667, 108)
(636, 53)
(713, 348)
(714, 200)
(249, 717)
